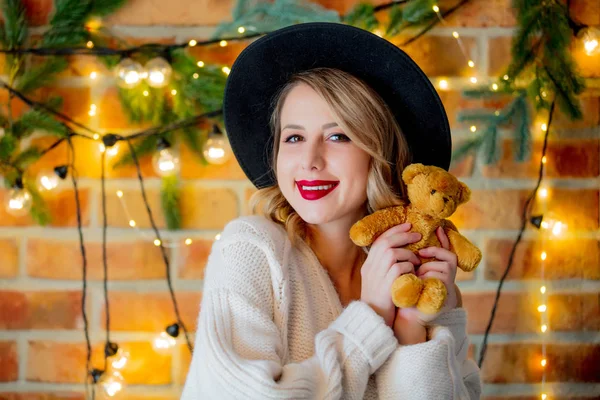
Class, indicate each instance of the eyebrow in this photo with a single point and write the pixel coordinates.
(326, 126)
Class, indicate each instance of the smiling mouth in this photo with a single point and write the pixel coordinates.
(315, 192)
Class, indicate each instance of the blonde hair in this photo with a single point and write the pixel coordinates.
(366, 119)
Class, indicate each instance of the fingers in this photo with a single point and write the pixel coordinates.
(398, 269)
(440, 254)
(441, 276)
(443, 238)
(438, 266)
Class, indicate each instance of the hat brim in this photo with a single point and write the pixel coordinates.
(265, 65)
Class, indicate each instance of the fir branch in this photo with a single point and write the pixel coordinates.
(491, 146)
(41, 75)
(419, 11)
(27, 157)
(38, 120)
(142, 147)
(170, 200)
(102, 8)
(39, 208)
(15, 24)
(8, 144)
(522, 140)
(67, 25)
(467, 147)
(192, 137)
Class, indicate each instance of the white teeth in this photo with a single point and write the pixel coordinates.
(326, 187)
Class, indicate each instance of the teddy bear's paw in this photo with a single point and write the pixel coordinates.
(432, 297)
(406, 290)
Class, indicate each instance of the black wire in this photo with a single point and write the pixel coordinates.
(434, 23)
(524, 219)
(104, 261)
(74, 176)
(162, 248)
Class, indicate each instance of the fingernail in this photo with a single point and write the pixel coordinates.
(405, 225)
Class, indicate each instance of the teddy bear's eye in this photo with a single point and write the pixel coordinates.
(433, 191)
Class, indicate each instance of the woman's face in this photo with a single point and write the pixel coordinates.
(312, 147)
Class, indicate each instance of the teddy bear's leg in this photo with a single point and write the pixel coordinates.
(432, 297)
(406, 290)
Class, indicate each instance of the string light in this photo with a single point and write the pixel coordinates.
(128, 73)
(96, 136)
(174, 92)
(158, 72)
(443, 84)
(119, 360)
(48, 179)
(216, 149)
(112, 383)
(473, 79)
(241, 29)
(543, 192)
(132, 223)
(196, 76)
(192, 43)
(188, 241)
(223, 43)
(542, 308)
(473, 128)
(90, 44)
(146, 93)
(543, 289)
(543, 362)
(200, 64)
(544, 127)
(226, 70)
(590, 39)
(18, 202)
(92, 110)
(93, 75)
(166, 340)
(494, 87)
(544, 328)
(166, 160)
(543, 256)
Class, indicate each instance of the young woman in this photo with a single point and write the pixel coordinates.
(323, 118)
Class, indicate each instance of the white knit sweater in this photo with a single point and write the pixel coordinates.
(272, 326)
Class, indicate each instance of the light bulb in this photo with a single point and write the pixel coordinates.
(158, 72)
(112, 383)
(590, 39)
(128, 73)
(166, 162)
(443, 84)
(18, 202)
(553, 225)
(163, 342)
(119, 360)
(216, 149)
(542, 308)
(544, 328)
(47, 180)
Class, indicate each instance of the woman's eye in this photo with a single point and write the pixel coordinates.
(290, 137)
(345, 138)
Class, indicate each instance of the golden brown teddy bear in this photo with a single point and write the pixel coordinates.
(434, 195)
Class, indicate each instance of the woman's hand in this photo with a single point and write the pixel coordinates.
(444, 268)
(386, 262)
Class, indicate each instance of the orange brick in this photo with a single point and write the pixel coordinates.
(480, 15)
(38, 11)
(520, 363)
(440, 55)
(566, 159)
(590, 107)
(154, 12)
(112, 115)
(493, 209)
(9, 258)
(17, 106)
(184, 365)
(517, 312)
(454, 103)
(588, 66)
(585, 11)
(574, 258)
(151, 312)
(9, 363)
(577, 208)
(500, 55)
(42, 396)
(59, 362)
(40, 310)
(61, 205)
(193, 168)
(127, 260)
(76, 101)
(215, 54)
(208, 208)
(464, 167)
(193, 259)
(247, 194)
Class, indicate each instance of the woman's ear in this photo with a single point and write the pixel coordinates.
(464, 193)
(412, 171)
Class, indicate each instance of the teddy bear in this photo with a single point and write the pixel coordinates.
(433, 195)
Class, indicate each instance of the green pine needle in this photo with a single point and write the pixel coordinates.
(27, 157)
(34, 120)
(41, 75)
(170, 198)
(8, 144)
(39, 208)
(102, 8)
(14, 25)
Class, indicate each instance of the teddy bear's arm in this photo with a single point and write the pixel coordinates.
(365, 231)
(467, 253)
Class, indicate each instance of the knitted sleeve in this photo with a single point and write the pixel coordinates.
(436, 369)
(239, 350)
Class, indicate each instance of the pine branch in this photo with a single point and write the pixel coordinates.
(491, 146)
(466, 148)
(39, 208)
(41, 75)
(142, 148)
(170, 199)
(192, 138)
(15, 24)
(102, 8)
(27, 157)
(67, 25)
(8, 144)
(38, 120)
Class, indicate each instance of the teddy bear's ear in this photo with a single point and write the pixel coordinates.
(464, 193)
(412, 171)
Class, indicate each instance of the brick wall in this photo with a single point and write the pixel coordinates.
(42, 348)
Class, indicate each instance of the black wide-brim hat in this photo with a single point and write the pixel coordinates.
(267, 64)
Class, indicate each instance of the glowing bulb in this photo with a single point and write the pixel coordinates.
(544, 328)
(544, 159)
(436, 9)
(542, 308)
(443, 84)
(174, 92)
(543, 255)
(200, 64)
(226, 70)
(112, 383)
(47, 180)
(473, 79)
(158, 72)
(195, 75)
(192, 43)
(146, 93)
(223, 43)
(157, 242)
(92, 111)
(217, 236)
(163, 342)
(544, 127)
(378, 32)
(119, 360)
(96, 136)
(495, 87)
(241, 29)
(111, 151)
(132, 223)
(128, 73)
(551, 223)
(216, 149)
(188, 241)
(93, 75)
(18, 202)
(90, 44)
(119, 193)
(590, 38)
(543, 362)
(544, 396)
(505, 77)
(166, 162)
(543, 192)
(543, 289)
(455, 34)
(473, 128)
(471, 64)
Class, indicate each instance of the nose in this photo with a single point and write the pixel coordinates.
(312, 157)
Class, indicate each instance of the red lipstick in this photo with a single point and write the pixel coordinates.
(316, 194)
